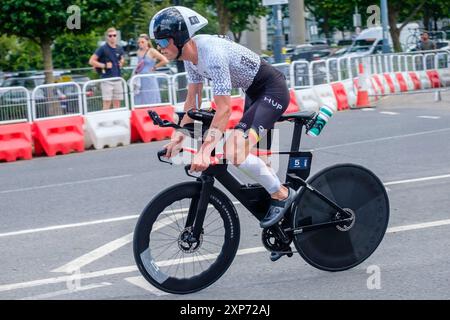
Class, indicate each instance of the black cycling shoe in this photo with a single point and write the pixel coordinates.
(277, 209)
(274, 256)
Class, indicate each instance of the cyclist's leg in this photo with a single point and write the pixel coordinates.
(256, 121)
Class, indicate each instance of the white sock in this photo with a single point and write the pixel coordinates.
(256, 169)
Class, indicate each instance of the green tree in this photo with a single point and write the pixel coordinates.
(74, 51)
(235, 15)
(331, 15)
(18, 54)
(44, 20)
(243, 14)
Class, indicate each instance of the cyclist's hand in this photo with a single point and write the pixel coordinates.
(175, 144)
(201, 161)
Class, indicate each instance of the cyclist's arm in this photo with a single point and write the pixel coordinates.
(218, 124)
(218, 66)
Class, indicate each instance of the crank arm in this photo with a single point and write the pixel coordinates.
(317, 226)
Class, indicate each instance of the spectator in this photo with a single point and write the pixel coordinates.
(108, 59)
(425, 42)
(148, 89)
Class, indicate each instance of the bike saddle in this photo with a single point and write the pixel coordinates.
(299, 116)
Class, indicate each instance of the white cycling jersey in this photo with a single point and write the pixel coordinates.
(227, 64)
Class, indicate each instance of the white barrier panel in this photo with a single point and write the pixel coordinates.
(442, 60)
(354, 66)
(351, 92)
(344, 68)
(103, 95)
(300, 75)
(425, 82)
(15, 105)
(403, 64)
(418, 62)
(318, 69)
(149, 90)
(429, 61)
(332, 70)
(107, 129)
(410, 63)
(444, 76)
(106, 113)
(325, 96)
(50, 101)
(307, 100)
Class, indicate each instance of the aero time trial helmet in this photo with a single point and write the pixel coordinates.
(179, 23)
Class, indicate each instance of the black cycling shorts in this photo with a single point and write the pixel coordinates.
(265, 101)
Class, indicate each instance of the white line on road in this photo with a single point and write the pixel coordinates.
(417, 180)
(106, 249)
(382, 139)
(390, 113)
(130, 217)
(428, 117)
(66, 226)
(67, 291)
(65, 184)
(128, 269)
(84, 224)
(419, 226)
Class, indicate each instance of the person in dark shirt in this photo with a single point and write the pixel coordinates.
(426, 43)
(108, 59)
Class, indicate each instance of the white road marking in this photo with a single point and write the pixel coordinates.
(367, 109)
(106, 249)
(87, 223)
(417, 180)
(130, 217)
(389, 113)
(67, 226)
(65, 184)
(382, 139)
(144, 284)
(132, 268)
(419, 226)
(429, 117)
(67, 291)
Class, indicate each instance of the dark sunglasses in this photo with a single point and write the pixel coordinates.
(162, 43)
(112, 35)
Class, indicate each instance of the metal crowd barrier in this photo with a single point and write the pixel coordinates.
(105, 94)
(148, 90)
(56, 100)
(15, 105)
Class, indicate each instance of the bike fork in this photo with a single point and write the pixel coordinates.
(199, 206)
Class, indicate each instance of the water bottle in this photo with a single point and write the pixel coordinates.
(325, 113)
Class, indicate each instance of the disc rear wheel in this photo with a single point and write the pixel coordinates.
(363, 196)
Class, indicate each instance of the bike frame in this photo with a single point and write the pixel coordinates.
(254, 197)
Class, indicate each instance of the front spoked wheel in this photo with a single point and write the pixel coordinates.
(165, 251)
(363, 196)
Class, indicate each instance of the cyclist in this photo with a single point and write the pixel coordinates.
(227, 65)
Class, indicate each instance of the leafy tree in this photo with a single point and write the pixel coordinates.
(235, 15)
(18, 54)
(331, 15)
(44, 20)
(73, 51)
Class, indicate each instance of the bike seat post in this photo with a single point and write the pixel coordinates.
(296, 136)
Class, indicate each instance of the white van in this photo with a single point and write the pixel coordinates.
(370, 41)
